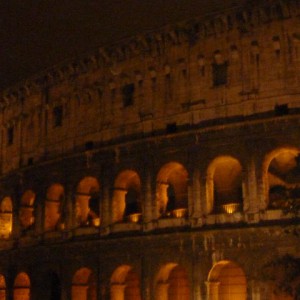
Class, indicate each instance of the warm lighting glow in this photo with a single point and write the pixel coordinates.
(171, 188)
(231, 208)
(6, 217)
(87, 201)
(134, 218)
(22, 287)
(224, 182)
(84, 285)
(172, 283)
(126, 197)
(26, 212)
(125, 284)
(54, 197)
(226, 281)
(179, 213)
(96, 222)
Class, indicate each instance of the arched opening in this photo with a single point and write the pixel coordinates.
(224, 185)
(226, 281)
(87, 202)
(172, 283)
(6, 217)
(27, 209)
(172, 190)
(281, 177)
(127, 197)
(2, 288)
(53, 205)
(22, 287)
(125, 284)
(84, 285)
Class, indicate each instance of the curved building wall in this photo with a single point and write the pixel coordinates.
(164, 167)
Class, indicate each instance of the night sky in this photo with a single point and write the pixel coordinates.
(36, 34)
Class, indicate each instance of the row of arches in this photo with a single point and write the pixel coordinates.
(171, 282)
(224, 193)
(225, 281)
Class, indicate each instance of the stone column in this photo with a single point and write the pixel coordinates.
(105, 207)
(204, 197)
(69, 209)
(255, 290)
(251, 194)
(251, 197)
(148, 202)
(197, 277)
(16, 226)
(196, 197)
(39, 214)
(146, 280)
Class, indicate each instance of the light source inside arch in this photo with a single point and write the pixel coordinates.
(27, 209)
(224, 185)
(127, 197)
(283, 178)
(22, 287)
(87, 202)
(6, 217)
(172, 190)
(53, 205)
(227, 281)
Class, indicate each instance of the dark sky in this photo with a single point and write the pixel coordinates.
(35, 34)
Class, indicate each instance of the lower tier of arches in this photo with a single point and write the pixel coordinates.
(240, 264)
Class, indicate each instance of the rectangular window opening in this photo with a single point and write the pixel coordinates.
(219, 74)
(10, 135)
(57, 116)
(127, 94)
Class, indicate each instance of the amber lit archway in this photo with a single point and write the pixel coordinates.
(226, 281)
(2, 288)
(172, 190)
(6, 217)
(22, 287)
(84, 285)
(281, 176)
(27, 209)
(172, 283)
(127, 197)
(125, 284)
(224, 185)
(53, 206)
(87, 202)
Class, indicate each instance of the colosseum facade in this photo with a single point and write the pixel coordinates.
(165, 166)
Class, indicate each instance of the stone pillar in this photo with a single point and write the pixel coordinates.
(255, 290)
(16, 226)
(117, 291)
(196, 197)
(146, 280)
(39, 217)
(204, 197)
(106, 207)
(69, 209)
(196, 291)
(251, 201)
(212, 290)
(148, 203)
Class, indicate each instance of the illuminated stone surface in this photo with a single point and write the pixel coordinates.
(165, 166)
